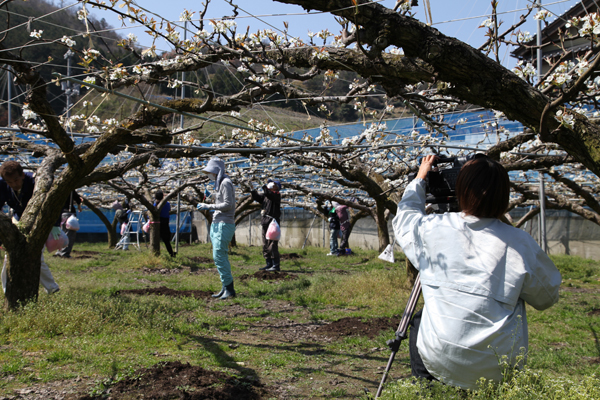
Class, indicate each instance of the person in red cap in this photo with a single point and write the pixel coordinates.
(270, 200)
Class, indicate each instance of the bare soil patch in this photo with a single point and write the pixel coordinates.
(162, 271)
(595, 311)
(290, 256)
(352, 326)
(165, 291)
(85, 252)
(175, 380)
(269, 276)
(580, 289)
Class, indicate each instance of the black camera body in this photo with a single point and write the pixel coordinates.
(440, 185)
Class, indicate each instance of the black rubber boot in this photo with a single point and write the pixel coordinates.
(269, 264)
(274, 268)
(229, 292)
(220, 293)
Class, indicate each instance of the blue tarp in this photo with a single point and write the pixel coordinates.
(90, 223)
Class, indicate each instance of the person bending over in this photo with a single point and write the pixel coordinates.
(16, 189)
(476, 275)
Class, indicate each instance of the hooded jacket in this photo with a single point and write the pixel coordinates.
(224, 204)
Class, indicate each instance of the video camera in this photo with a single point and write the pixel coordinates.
(441, 184)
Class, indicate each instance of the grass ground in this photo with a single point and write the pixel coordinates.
(89, 334)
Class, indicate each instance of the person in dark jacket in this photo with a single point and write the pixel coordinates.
(334, 228)
(270, 200)
(165, 230)
(344, 216)
(16, 189)
(68, 211)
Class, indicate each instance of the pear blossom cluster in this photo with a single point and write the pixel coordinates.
(586, 25)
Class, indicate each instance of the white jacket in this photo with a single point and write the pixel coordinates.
(475, 274)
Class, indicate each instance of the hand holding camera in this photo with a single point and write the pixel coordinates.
(426, 164)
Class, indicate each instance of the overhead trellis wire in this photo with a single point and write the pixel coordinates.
(146, 102)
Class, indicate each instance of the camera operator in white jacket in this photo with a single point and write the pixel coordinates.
(476, 274)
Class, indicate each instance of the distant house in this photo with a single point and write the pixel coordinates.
(550, 37)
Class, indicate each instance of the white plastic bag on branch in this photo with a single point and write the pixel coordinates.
(123, 228)
(146, 227)
(388, 253)
(274, 231)
(72, 223)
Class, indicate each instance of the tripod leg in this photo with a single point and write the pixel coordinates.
(385, 373)
(402, 329)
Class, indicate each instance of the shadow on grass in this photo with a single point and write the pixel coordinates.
(214, 346)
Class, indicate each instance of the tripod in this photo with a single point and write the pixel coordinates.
(394, 344)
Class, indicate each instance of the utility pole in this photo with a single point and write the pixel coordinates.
(183, 76)
(69, 88)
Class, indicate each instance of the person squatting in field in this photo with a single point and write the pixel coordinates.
(270, 201)
(223, 223)
(16, 189)
(344, 216)
(476, 274)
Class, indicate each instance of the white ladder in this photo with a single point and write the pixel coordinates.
(134, 227)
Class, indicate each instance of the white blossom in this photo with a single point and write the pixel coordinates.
(36, 34)
(186, 15)
(542, 15)
(487, 23)
(68, 41)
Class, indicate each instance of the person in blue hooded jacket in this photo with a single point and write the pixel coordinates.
(223, 224)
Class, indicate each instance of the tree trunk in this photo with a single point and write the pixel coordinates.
(23, 275)
(110, 227)
(154, 233)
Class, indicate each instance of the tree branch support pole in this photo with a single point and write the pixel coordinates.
(250, 229)
(9, 88)
(177, 218)
(543, 240)
(542, 224)
(309, 230)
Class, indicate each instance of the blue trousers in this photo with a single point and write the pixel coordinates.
(220, 236)
(333, 240)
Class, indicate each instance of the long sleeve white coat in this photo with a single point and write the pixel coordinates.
(476, 275)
